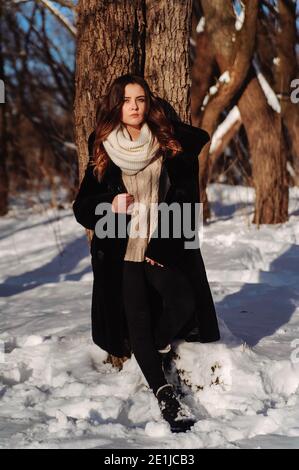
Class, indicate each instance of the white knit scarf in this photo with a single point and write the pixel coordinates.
(131, 155)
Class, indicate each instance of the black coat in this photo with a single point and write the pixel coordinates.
(178, 183)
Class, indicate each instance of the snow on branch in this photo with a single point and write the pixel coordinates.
(224, 78)
(201, 25)
(240, 15)
(268, 91)
(231, 119)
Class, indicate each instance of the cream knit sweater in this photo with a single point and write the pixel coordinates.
(144, 187)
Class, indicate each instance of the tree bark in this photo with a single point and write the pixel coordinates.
(109, 44)
(266, 145)
(262, 124)
(202, 72)
(167, 57)
(233, 52)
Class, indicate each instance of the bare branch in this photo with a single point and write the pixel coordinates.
(51, 7)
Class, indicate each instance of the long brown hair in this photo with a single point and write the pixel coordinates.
(108, 116)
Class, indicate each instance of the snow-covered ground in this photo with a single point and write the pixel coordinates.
(55, 389)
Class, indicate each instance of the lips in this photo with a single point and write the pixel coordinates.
(134, 115)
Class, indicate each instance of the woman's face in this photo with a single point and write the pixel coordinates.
(133, 109)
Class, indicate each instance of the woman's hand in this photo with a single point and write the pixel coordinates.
(149, 260)
(121, 202)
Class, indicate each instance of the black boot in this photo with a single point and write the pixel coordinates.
(172, 411)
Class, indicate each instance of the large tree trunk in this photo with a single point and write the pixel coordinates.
(266, 144)
(167, 58)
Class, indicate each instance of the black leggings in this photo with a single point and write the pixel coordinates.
(178, 310)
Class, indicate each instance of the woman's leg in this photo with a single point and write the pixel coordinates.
(178, 302)
(138, 314)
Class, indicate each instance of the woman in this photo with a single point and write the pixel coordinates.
(149, 289)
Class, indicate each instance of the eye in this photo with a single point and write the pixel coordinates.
(126, 100)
